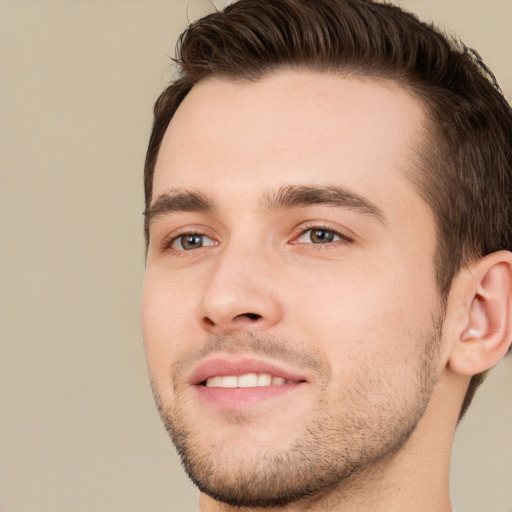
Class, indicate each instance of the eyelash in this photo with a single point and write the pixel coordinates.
(171, 239)
(301, 231)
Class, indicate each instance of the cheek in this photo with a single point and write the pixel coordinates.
(376, 311)
(167, 323)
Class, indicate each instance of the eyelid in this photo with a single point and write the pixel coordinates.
(178, 240)
(312, 225)
(187, 230)
(299, 231)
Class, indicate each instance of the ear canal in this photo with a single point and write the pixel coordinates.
(486, 337)
(472, 333)
(478, 319)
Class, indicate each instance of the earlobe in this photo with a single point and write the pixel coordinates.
(485, 336)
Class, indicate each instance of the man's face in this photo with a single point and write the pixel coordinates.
(290, 311)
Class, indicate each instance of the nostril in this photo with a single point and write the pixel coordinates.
(241, 319)
(208, 321)
(250, 316)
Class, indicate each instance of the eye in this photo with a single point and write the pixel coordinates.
(319, 236)
(190, 241)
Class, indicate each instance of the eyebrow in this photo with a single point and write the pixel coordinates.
(178, 201)
(287, 197)
(300, 196)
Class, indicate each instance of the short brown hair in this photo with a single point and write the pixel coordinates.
(467, 160)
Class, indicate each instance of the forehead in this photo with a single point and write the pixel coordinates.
(293, 127)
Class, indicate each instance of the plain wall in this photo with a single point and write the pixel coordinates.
(78, 428)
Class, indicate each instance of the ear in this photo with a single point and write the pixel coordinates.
(483, 332)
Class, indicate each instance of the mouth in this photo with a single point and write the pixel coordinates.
(248, 380)
(237, 384)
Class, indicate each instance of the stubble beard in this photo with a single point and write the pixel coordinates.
(368, 421)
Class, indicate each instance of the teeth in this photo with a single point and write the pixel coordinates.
(214, 382)
(264, 379)
(248, 380)
(229, 382)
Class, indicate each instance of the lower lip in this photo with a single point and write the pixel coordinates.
(240, 398)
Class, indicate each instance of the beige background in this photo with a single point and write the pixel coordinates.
(78, 429)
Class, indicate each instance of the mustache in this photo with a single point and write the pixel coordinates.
(260, 344)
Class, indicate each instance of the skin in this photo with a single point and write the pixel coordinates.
(358, 317)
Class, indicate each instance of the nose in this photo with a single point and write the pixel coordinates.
(241, 293)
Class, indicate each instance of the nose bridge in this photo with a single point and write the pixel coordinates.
(240, 293)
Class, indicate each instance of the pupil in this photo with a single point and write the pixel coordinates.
(321, 235)
(191, 241)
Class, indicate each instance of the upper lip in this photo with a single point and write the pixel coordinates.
(220, 366)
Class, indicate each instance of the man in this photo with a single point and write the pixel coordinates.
(328, 277)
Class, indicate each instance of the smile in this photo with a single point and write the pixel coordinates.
(248, 380)
(228, 383)
(224, 372)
